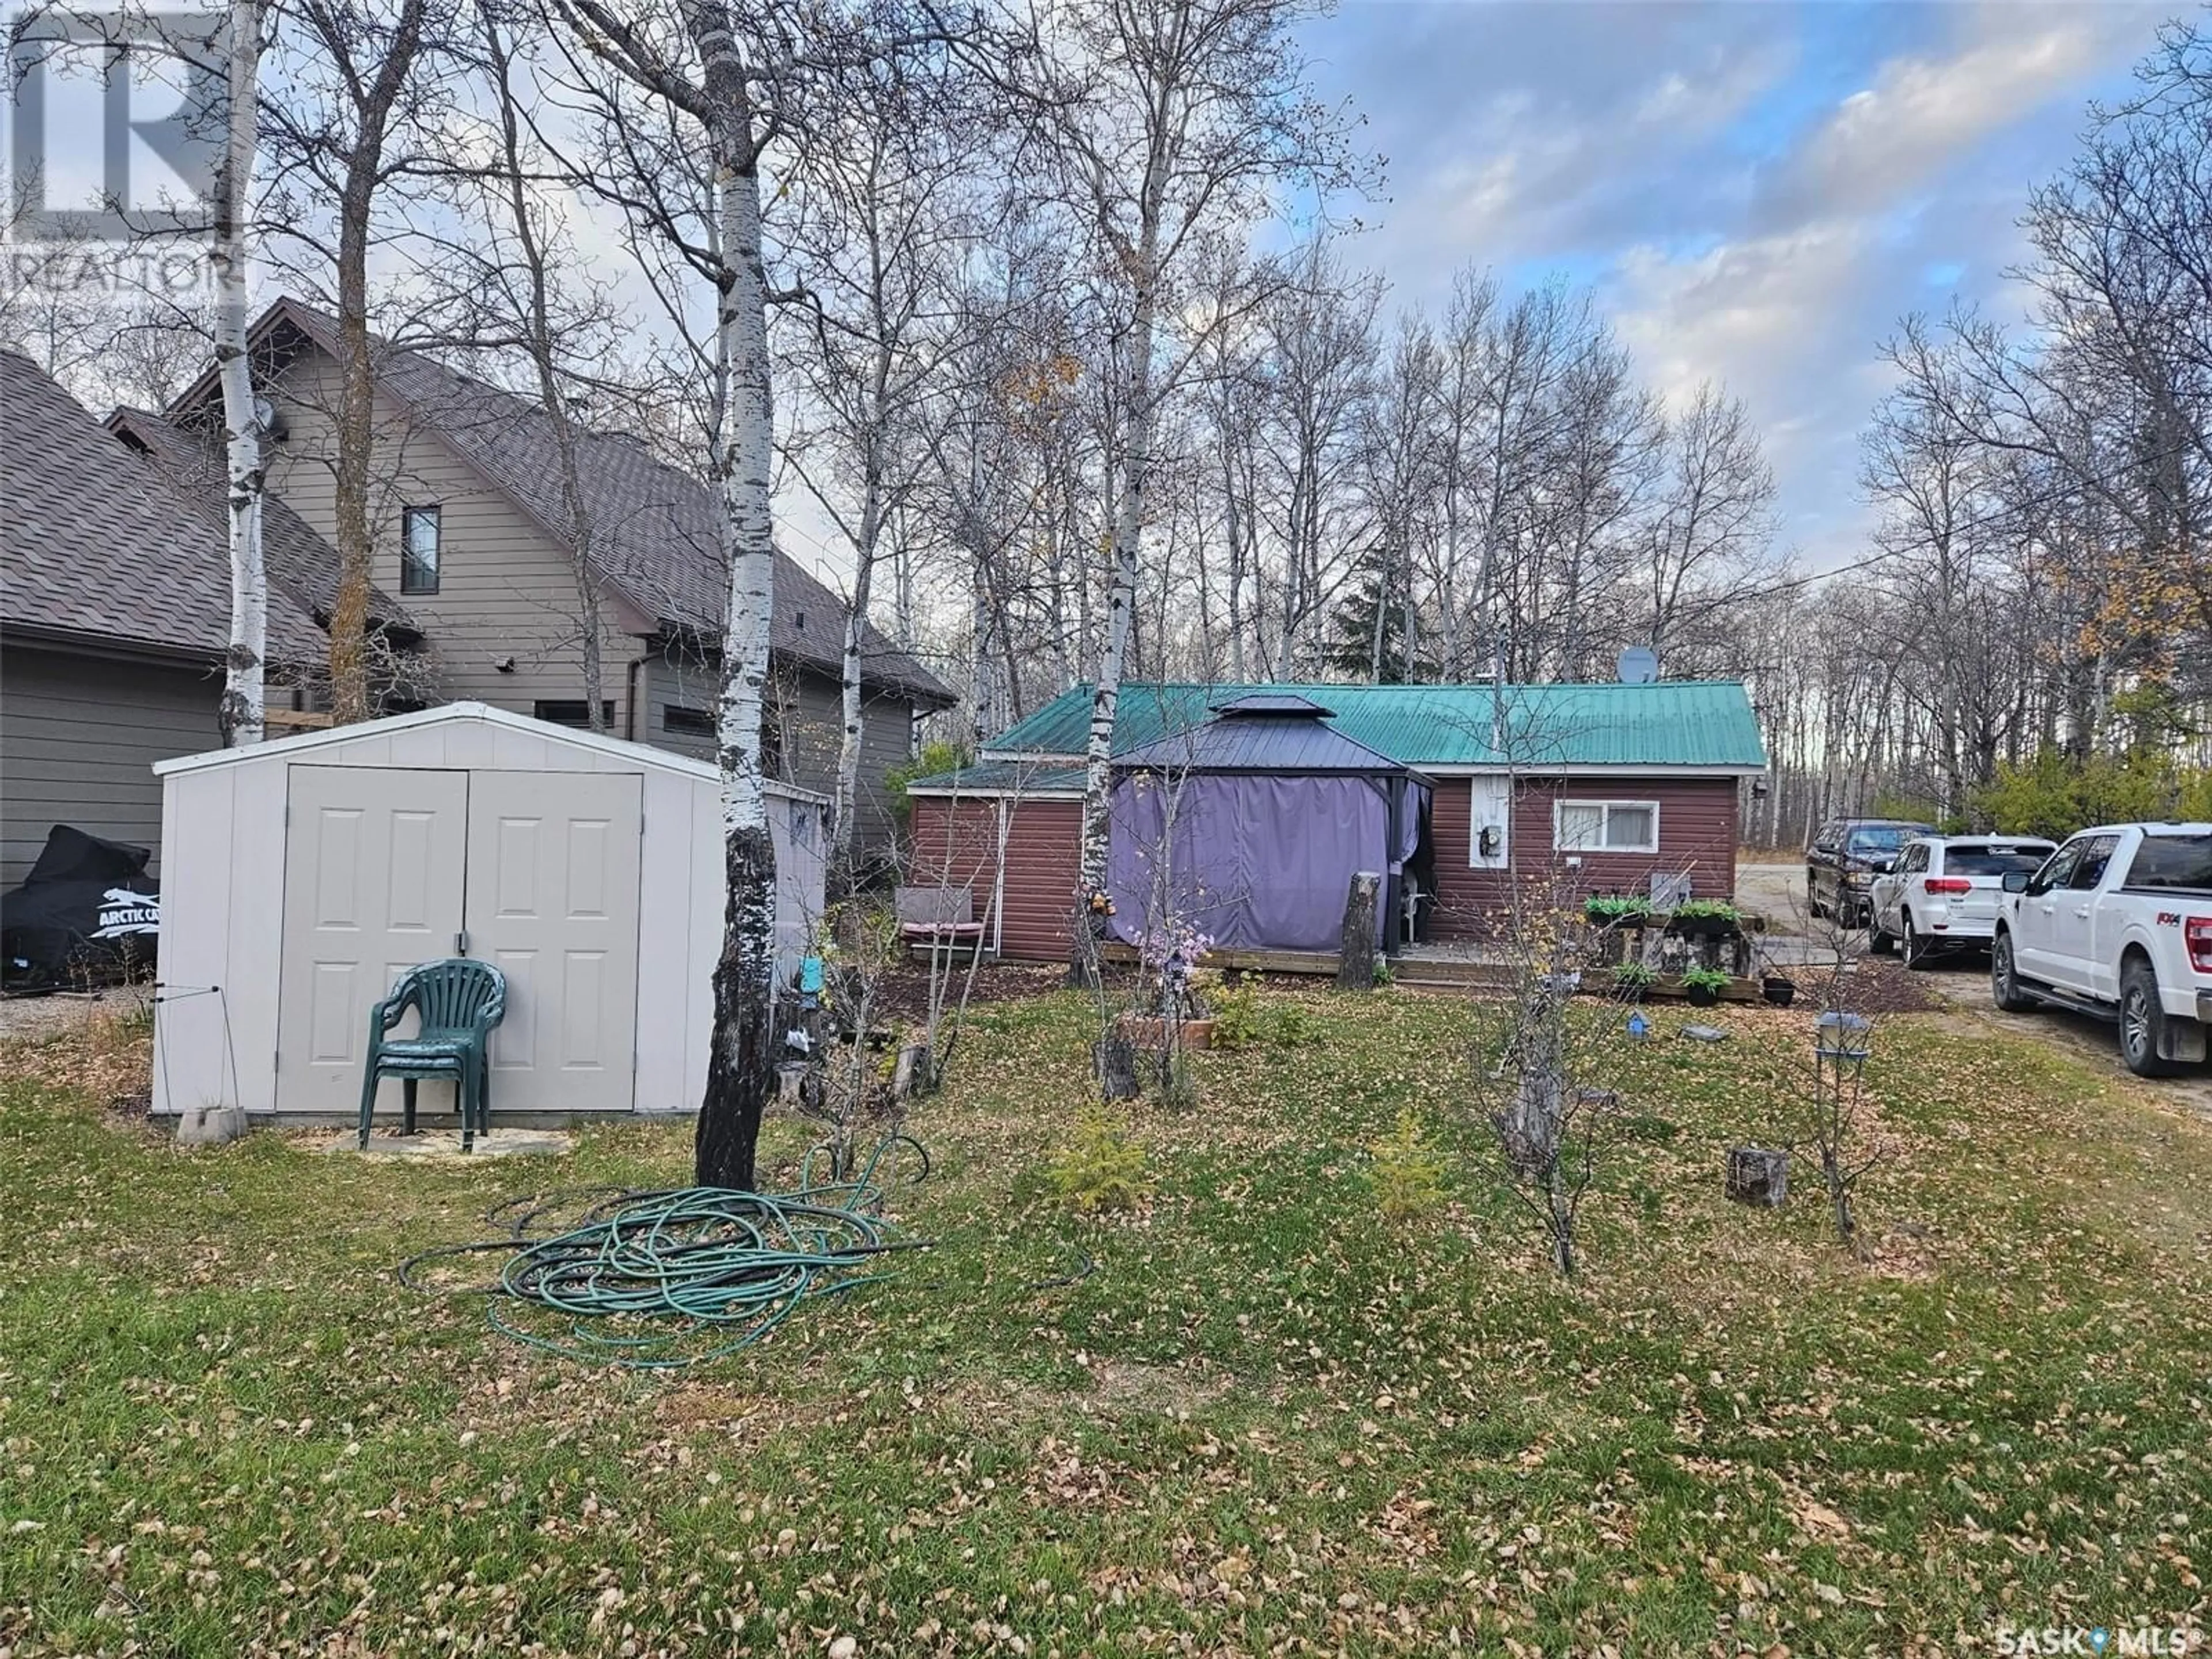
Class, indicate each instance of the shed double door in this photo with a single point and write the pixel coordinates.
(535, 873)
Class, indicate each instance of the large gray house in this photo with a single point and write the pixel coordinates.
(115, 597)
(473, 536)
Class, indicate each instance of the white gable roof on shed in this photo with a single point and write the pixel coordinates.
(394, 727)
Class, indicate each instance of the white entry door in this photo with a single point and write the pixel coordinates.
(372, 885)
(552, 902)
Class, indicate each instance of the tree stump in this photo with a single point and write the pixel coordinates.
(913, 1074)
(1355, 961)
(1114, 1058)
(1758, 1174)
(790, 1083)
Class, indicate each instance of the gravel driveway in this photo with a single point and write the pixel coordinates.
(38, 1017)
(1960, 984)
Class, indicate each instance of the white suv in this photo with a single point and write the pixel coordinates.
(1942, 892)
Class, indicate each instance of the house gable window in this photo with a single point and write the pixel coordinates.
(573, 712)
(418, 549)
(681, 722)
(1606, 826)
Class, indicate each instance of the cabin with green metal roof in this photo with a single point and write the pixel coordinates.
(1588, 788)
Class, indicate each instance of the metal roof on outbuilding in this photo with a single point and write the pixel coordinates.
(1291, 741)
(1704, 725)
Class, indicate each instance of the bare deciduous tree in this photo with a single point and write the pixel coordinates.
(1167, 125)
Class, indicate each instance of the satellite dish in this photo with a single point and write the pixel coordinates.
(1638, 664)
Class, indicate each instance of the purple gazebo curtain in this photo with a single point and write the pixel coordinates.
(1254, 861)
(1414, 798)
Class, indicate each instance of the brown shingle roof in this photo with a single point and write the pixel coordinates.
(652, 526)
(101, 543)
(303, 567)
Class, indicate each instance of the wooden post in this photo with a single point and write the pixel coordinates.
(913, 1074)
(1355, 962)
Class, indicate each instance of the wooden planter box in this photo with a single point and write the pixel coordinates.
(1668, 988)
(1153, 1033)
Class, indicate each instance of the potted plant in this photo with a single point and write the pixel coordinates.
(1704, 986)
(1779, 989)
(1172, 953)
(1632, 979)
(1616, 909)
(1706, 919)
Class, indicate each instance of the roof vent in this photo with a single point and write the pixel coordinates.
(1277, 703)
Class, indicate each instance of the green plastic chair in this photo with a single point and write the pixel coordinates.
(460, 1001)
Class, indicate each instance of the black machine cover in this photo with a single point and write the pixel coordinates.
(87, 913)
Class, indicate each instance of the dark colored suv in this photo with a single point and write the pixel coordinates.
(1843, 860)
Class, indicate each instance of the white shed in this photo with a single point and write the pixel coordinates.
(300, 878)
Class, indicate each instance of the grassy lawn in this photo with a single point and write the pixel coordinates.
(1270, 1421)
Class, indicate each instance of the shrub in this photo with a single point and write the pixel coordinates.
(1635, 973)
(1408, 1172)
(1384, 973)
(1102, 1169)
(1235, 1017)
(2054, 795)
(1616, 906)
(1294, 1028)
(1176, 1087)
(935, 758)
(1692, 909)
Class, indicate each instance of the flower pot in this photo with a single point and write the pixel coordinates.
(1779, 991)
(1153, 1033)
(1701, 996)
(1630, 991)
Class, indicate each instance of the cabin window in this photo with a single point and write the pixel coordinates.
(573, 712)
(418, 549)
(1606, 826)
(681, 722)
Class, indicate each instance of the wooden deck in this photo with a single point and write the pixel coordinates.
(1242, 961)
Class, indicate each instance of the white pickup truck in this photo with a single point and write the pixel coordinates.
(2117, 923)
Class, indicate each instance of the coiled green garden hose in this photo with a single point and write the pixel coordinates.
(727, 1267)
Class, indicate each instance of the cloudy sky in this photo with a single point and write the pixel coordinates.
(1757, 191)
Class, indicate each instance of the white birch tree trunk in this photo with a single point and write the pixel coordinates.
(1128, 532)
(850, 732)
(245, 665)
(867, 538)
(740, 1067)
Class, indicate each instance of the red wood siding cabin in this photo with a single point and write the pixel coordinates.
(1696, 740)
(1696, 836)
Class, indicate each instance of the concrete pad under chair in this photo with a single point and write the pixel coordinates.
(442, 1145)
